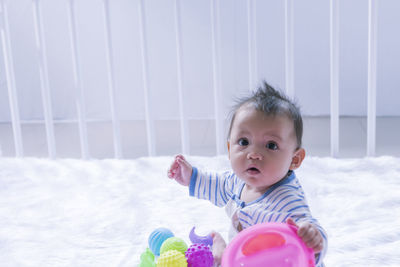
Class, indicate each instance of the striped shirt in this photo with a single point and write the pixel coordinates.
(282, 200)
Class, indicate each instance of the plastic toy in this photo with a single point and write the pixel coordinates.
(174, 252)
(147, 259)
(172, 258)
(199, 255)
(268, 244)
(157, 237)
(206, 240)
(174, 243)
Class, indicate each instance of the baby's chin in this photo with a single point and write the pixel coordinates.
(256, 185)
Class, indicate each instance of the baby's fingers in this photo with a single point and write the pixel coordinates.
(313, 239)
(309, 234)
(304, 231)
(171, 174)
(318, 248)
(182, 162)
(315, 242)
(173, 169)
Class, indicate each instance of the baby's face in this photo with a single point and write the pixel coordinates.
(261, 147)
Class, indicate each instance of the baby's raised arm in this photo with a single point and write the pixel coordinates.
(180, 170)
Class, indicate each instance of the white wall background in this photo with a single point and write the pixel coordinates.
(311, 56)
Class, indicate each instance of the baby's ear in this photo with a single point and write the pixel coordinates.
(297, 159)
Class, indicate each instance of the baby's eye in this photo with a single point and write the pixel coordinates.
(243, 142)
(272, 146)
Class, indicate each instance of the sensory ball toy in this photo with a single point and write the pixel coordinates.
(199, 255)
(174, 243)
(147, 259)
(157, 237)
(172, 258)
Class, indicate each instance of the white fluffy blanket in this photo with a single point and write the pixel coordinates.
(101, 212)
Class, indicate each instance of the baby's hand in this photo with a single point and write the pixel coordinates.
(218, 248)
(309, 234)
(180, 170)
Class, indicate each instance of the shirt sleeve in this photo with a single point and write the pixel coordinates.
(212, 186)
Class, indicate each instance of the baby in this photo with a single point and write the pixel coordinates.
(264, 149)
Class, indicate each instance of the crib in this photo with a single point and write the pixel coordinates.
(97, 96)
(124, 79)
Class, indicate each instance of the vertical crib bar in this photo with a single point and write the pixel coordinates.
(184, 127)
(215, 38)
(372, 51)
(78, 88)
(334, 76)
(252, 43)
(111, 81)
(12, 89)
(149, 118)
(289, 49)
(44, 78)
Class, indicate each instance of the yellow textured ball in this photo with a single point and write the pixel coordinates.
(172, 258)
(174, 243)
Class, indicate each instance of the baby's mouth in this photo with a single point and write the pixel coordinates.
(253, 170)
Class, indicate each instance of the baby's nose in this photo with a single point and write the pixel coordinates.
(254, 155)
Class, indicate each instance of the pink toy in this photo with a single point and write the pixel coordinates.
(268, 244)
(199, 255)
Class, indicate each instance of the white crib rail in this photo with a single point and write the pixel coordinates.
(289, 49)
(149, 116)
(215, 39)
(185, 141)
(216, 66)
(252, 42)
(78, 88)
(372, 47)
(334, 76)
(111, 82)
(10, 77)
(44, 78)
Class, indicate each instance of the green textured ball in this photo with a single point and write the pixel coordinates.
(147, 259)
(172, 258)
(174, 243)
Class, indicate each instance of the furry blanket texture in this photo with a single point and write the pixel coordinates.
(69, 212)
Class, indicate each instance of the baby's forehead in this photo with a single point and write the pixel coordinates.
(259, 119)
(278, 113)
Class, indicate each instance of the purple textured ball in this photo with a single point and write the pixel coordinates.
(199, 255)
